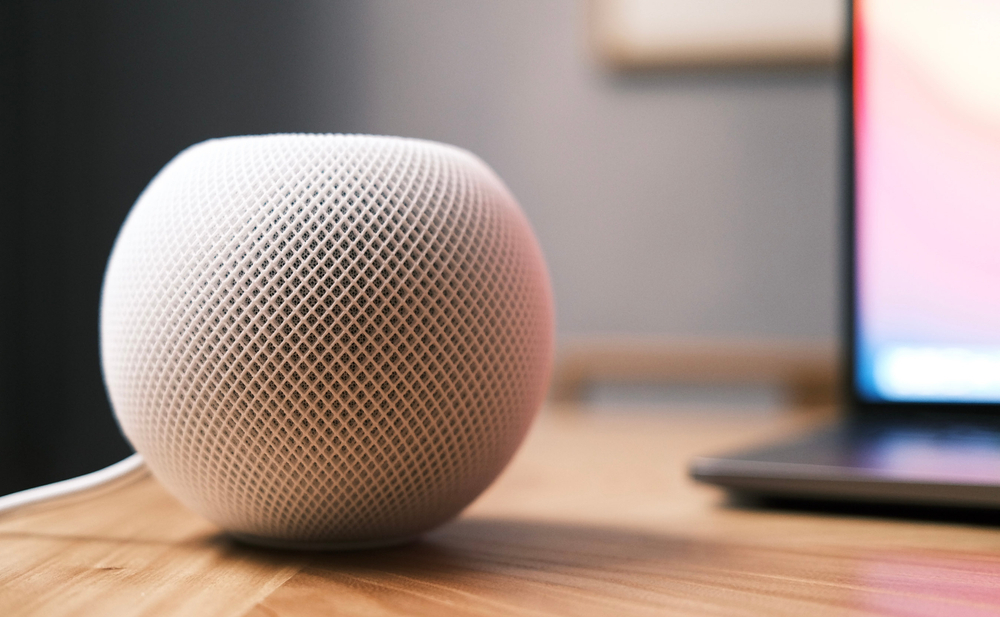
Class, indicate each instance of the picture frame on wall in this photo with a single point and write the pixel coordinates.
(676, 33)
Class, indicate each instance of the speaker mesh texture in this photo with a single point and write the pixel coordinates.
(326, 340)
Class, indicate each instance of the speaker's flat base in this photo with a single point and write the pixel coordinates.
(299, 545)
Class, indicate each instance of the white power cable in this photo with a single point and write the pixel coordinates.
(73, 485)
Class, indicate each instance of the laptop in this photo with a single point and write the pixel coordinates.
(921, 328)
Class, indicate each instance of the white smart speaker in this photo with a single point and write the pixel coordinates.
(326, 341)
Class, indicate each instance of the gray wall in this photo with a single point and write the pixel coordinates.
(671, 203)
(698, 203)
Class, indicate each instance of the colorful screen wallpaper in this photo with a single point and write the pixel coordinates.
(927, 108)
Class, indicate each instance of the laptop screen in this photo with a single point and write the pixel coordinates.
(927, 185)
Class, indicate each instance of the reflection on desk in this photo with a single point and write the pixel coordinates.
(594, 516)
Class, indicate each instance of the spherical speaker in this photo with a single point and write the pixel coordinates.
(326, 341)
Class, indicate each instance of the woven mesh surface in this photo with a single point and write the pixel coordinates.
(324, 338)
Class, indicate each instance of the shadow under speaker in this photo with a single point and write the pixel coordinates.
(326, 341)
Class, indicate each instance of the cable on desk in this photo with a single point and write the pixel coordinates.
(73, 485)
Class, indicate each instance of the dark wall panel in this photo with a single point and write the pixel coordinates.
(95, 98)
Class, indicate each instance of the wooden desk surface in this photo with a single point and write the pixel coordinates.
(595, 516)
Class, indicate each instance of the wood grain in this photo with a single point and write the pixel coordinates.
(595, 516)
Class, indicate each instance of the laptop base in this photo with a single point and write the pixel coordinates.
(869, 461)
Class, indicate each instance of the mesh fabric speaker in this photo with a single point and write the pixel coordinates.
(326, 340)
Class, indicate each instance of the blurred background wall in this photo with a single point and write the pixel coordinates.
(694, 203)
(682, 202)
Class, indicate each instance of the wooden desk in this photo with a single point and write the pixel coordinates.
(595, 516)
